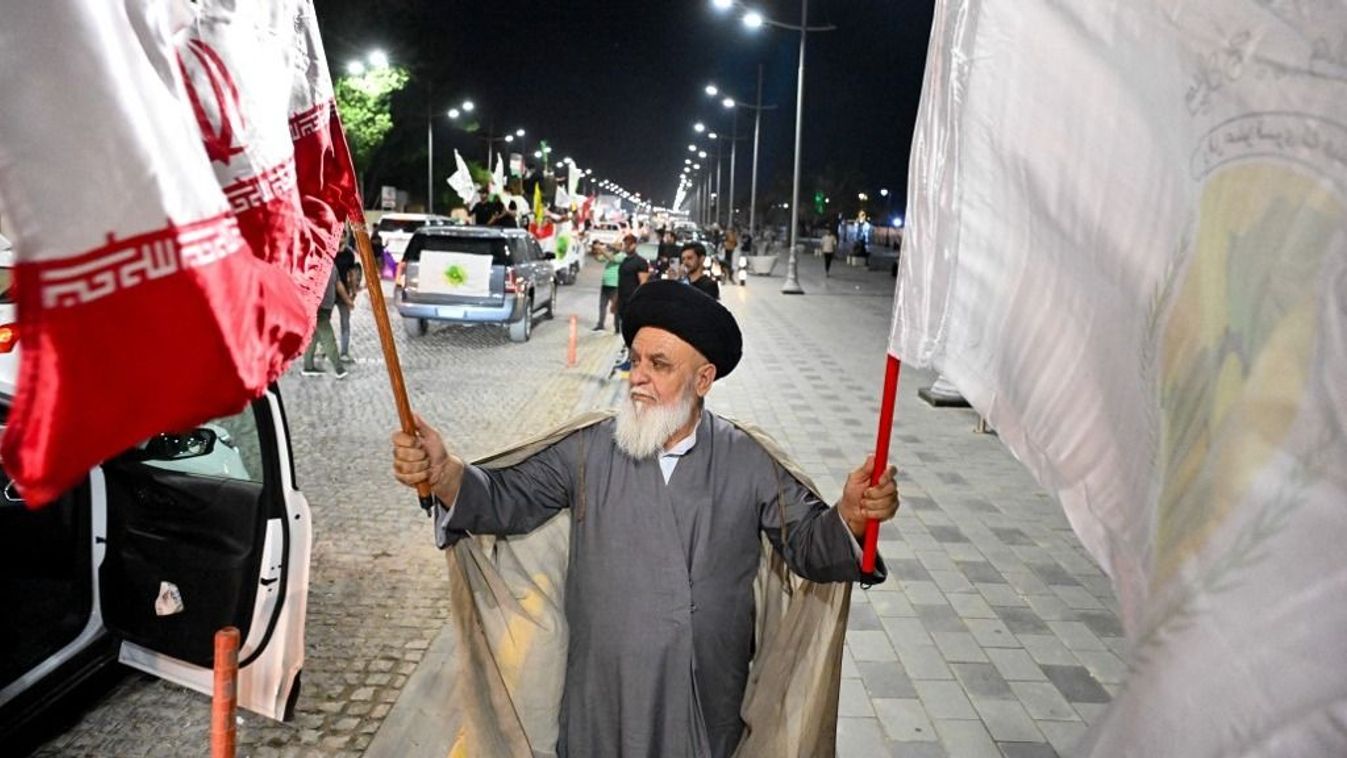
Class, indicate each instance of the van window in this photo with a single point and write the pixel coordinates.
(400, 224)
(522, 252)
(494, 247)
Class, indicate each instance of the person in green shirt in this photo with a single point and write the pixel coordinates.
(612, 261)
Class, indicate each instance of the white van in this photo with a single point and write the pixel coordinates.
(396, 229)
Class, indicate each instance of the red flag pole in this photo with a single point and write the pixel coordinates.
(224, 700)
(886, 407)
(376, 298)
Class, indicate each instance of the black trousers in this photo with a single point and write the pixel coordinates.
(607, 294)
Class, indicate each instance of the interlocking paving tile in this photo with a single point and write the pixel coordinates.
(1051, 608)
(1026, 750)
(1012, 536)
(890, 603)
(1106, 667)
(1052, 573)
(991, 633)
(863, 618)
(1015, 663)
(1063, 735)
(906, 632)
(1043, 701)
(924, 662)
(1076, 635)
(908, 569)
(940, 618)
(870, 646)
(885, 679)
(904, 720)
(1076, 684)
(1007, 721)
(944, 700)
(959, 647)
(1001, 594)
(982, 680)
(860, 738)
(967, 739)
(971, 606)
(1102, 623)
(1048, 648)
(981, 571)
(1078, 598)
(951, 581)
(948, 534)
(949, 477)
(1022, 620)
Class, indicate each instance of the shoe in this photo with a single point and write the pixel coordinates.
(342, 373)
(598, 328)
(311, 371)
(345, 358)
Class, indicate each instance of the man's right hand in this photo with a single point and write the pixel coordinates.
(423, 458)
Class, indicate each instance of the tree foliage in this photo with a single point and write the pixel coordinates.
(363, 102)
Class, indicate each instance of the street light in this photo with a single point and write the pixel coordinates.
(378, 59)
(468, 106)
(727, 102)
(754, 19)
(699, 127)
(711, 90)
(519, 132)
(355, 68)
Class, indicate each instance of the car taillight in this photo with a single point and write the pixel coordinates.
(511, 283)
(9, 337)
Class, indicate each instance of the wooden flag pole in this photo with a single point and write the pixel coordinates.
(886, 407)
(376, 298)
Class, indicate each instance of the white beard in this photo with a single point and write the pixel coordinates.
(643, 429)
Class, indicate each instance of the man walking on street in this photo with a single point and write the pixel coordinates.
(323, 333)
(608, 291)
(671, 504)
(828, 246)
(693, 255)
(631, 274)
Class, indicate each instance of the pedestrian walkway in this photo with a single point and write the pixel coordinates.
(996, 634)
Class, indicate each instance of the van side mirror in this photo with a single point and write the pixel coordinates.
(549, 255)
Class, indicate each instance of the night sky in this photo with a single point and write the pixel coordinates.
(617, 86)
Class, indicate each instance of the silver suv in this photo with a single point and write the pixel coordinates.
(475, 275)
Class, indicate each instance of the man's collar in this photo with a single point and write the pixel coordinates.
(681, 447)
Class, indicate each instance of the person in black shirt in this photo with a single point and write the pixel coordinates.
(693, 255)
(632, 273)
(489, 210)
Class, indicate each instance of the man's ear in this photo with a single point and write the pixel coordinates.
(706, 376)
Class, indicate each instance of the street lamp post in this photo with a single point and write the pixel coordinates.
(753, 19)
(757, 109)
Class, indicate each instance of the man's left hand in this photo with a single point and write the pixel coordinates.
(861, 502)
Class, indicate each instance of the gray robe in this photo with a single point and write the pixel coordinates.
(659, 589)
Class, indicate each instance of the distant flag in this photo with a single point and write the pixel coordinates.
(1131, 258)
(498, 176)
(461, 182)
(539, 211)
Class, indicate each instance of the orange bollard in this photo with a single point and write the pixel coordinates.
(570, 348)
(224, 703)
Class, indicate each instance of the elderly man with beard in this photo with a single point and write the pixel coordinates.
(669, 502)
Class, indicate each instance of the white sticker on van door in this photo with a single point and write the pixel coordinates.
(461, 274)
(169, 601)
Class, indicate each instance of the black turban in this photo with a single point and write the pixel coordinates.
(689, 314)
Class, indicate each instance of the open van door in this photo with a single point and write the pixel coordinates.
(207, 529)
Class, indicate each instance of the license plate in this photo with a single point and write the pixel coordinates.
(451, 313)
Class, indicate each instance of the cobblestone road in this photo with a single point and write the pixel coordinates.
(377, 589)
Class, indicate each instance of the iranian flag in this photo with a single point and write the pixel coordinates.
(175, 217)
(1128, 250)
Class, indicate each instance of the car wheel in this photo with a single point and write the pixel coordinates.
(552, 302)
(415, 327)
(521, 330)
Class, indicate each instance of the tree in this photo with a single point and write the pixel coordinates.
(363, 102)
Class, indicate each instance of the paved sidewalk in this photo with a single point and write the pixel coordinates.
(996, 634)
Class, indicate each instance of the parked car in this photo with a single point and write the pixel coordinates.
(146, 559)
(396, 229)
(475, 275)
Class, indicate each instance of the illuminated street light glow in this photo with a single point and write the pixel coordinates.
(378, 59)
(355, 68)
(713, 135)
(711, 90)
(699, 127)
(692, 148)
(728, 102)
(753, 20)
(537, 153)
(509, 138)
(468, 106)
(701, 153)
(883, 193)
(519, 132)
(723, 5)
(454, 113)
